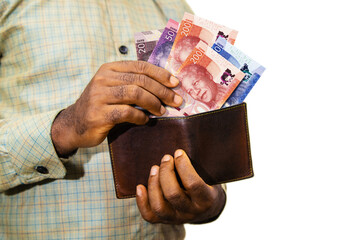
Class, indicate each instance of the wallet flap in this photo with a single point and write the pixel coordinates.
(216, 142)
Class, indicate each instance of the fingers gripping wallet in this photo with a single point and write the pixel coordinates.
(216, 142)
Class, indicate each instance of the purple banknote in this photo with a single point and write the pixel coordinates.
(163, 47)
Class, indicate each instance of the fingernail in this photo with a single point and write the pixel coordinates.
(162, 110)
(138, 191)
(174, 80)
(177, 99)
(153, 171)
(178, 153)
(166, 158)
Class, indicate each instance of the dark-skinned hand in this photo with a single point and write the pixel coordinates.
(108, 100)
(165, 201)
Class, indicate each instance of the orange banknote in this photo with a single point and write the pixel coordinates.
(206, 81)
(192, 29)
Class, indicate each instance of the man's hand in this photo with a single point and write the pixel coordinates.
(107, 100)
(166, 202)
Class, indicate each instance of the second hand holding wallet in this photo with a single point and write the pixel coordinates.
(216, 142)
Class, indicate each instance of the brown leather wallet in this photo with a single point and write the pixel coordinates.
(216, 142)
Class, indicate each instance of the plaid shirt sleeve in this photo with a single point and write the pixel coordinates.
(25, 146)
(25, 142)
(49, 51)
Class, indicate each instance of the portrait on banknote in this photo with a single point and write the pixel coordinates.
(183, 49)
(198, 82)
(206, 81)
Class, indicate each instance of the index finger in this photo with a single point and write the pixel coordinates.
(140, 67)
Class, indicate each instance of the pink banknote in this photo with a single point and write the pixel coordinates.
(193, 29)
(206, 81)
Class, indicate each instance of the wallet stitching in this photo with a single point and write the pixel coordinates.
(202, 114)
(236, 179)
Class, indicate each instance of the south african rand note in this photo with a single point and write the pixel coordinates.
(162, 49)
(193, 29)
(206, 81)
(145, 43)
(252, 70)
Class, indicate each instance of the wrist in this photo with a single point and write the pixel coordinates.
(62, 135)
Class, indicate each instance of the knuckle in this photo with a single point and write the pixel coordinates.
(155, 102)
(98, 78)
(92, 98)
(149, 218)
(197, 187)
(142, 80)
(167, 93)
(158, 210)
(174, 198)
(128, 78)
(162, 215)
(126, 112)
(206, 205)
(159, 72)
(141, 66)
(104, 66)
(113, 116)
(96, 94)
(162, 74)
(119, 115)
(165, 168)
(119, 92)
(135, 92)
(126, 62)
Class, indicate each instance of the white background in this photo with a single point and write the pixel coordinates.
(304, 116)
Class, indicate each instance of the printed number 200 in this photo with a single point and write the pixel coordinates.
(196, 56)
(186, 28)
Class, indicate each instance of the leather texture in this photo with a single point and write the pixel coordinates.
(217, 143)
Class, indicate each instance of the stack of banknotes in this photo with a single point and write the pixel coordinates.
(213, 73)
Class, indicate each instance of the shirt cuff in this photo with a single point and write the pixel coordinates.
(27, 153)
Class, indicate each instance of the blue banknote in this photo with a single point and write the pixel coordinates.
(252, 70)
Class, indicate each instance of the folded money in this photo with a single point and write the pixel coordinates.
(193, 29)
(252, 70)
(206, 81)
(162, 49)
(210, 77)
(145, 43)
